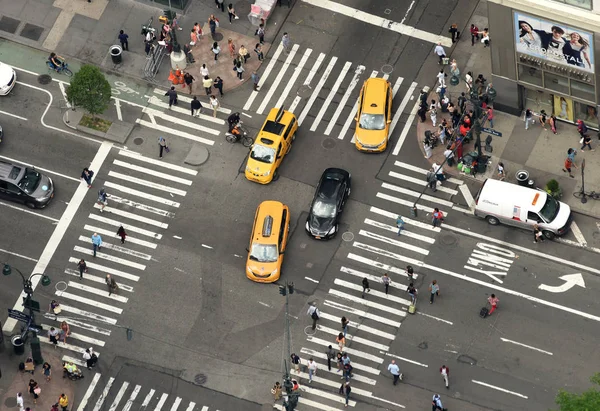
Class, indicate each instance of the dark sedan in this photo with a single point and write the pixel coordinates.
(327, 205)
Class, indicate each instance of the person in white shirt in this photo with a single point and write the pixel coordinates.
(439, 173)
(445, 372)
(449, 156)
(395, 371)
(439, 51)
(314, 313)
(312, 369)
(441, 76)
(20, 401)
(204, 71)
(437, 403)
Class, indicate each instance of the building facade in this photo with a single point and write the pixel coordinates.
(546, 61)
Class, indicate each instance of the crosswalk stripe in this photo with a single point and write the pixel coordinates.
(155, 101)
(140, 206)
(132, 398)
(69, 347)
(77, 336)
(192, 405)
(161, 402)
(264, 77)
(389, 254)
(130, 239)
(173, 132)
(105, 256)
(88, 392)
(372, 263)
(324, 394)
(424, 171)
(404, 202)
(148, 398)
(331, 95)
(128, 227)
(146, 183)
(400, 110)
(352, 114)
(119, 249)
(88, 301)
(420, 182)
(349, 351)
(119, 396)
(273, 87)
(96, 279)
(90, 327)
(311, 74)
(152, 172)
(188, 100)
(405, 232)
(100, 401)
(407, 220)
(411, 193)
(368, 303)
(359, 326)
(86, 314)
(396, 87)
(176, 404)
(106, 270)
(204, 408)
(334, 384)
(317, 90)
(292, 80)
(138, 193)
(376, 293)
(159, 163)
(131, 216)
(342, 104)
(391, 241)
(314, 404)
(335, 371)
(102, 293)
(370, 277)
(360, 313)
(76, 361)
(357, 366)
(350, 337)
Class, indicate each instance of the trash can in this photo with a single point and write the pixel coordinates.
(116, 54)
(18, 344)
(523, 179)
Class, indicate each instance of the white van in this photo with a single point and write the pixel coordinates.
(511, 204)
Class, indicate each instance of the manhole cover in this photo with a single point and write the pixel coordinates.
(448, 239)
(304, 91)
(32, 32)
(309, 265)
(347, 236)
(200, 379)
(218, 37)
(44, 79)
(387, 69)
(328, 143)
(138, 141)
(61, 286)
(387, 11)
(466, 359)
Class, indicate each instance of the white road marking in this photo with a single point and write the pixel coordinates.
(342, 9)
(161, 402)
(570, 280)
(13, 115)
(69, 347)
(370, 277)
(292, 80)
(118, 107)
(312, 280)
(174, 132)
(467, 196)
(18, 255)
(578, 235)
(206, 246)
(405, 359)
(88, 392)
(406, 203)
(84, 300)
(24, 210)
(359, 326)
(146, 183)
(130, 239)
(155, 162)
(400, 110)
(273, 86)
(132, 216)
(311, 74)
(342, 104)
(176, 404)
(356, 366)
(45, 170)
(180, 122)
(152, 172)
(416, 194)
(406, 128)
(119, 396)
(350, 351)
(333, 384)
(188, 100)
(350, 337)
(132, 398)
(128, 227)
(526, 346)
(60, 230)
(424, 172)
(147, 399)
(246, 115)
(366, 302)
(500, 389)
(264, 304)
(87, 314)
(420, 182)
(353, 113)
(388, 254)
(90, 252)
(78, 286)
(435, 318)
(407, 220)
(90, 327)
(317, 90)
(77, 336)
(327, 395)
(385, 267)
(394, 229)
(264, 77)
(155, 101)
(96, 279)
(391, 241)
(380, 294)
(140, 206)
(314, 404)
(360, 313)
(330, 96)
(119, 249)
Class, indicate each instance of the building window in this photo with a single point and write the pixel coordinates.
(583, 91)
(587, 113)
(583, 4)
(556, 83)
(530, 75)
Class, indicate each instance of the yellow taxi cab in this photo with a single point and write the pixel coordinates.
(273, 142)
(374, 116)
(268, 242)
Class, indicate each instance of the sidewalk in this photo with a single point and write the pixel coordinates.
(536, 150)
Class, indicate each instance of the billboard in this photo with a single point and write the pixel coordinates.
(554, 42)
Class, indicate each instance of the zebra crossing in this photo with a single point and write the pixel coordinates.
(144, 207)
(375, 321)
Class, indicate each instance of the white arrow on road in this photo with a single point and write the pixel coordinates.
(570, 281)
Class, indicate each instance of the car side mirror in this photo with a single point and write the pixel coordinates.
(282, 252)
(356, 118)
(247, 250)
(389, 121)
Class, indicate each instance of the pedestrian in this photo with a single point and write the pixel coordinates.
(439, 172)
(462, 102)
(501, 171)
(454, 32)
(96, 242)
(586, 140)
(537, 234)
(485, 37)
(445, 372)
(395, 371)
(412, 291)
(47, 369)
(542, 119)
(207, 83)
(296, 362)
(231, 47)
(399, 224)
(204, 71)
(54, 408)
(63, 401)
(433, 112)
(449, 154)
(441, 76)
(102, 199)
(218, 84)
(490, 115)
(259, 52)
(189, 80)
(53, 336)
(231, 12)
(528, 118)
(214, 103)
(162, 146)
(469, 81)
(189, 57)
(82, 268)
(409, 271)
(221, 5)
(121, 233)
(431, 180)
(276, 391)
(243, 52)
(87, 175)
(330, 353)
(345, 323)
(172, 96)
(341, 342)
(111, 284)
(124, 39)
(421, 113)
(366, 287)
(571, 153)
(439, 51)
(386, 282)
(285, 42)
(474, 34)
(255, 80)
(239, 69)
(87, 356)
(193, 36)
(216, 50)
(20, 401)
(581, 128)
(34, 389)
(213, 23)
(348, 390)
(260, 32)
(65, 331)
(314, 313)
(437, 217)
(552, 122)
(312, 369)
(340, 361)
(434, 289)
(568, 164)
(493, 301)
(196, 107)
(436, 405)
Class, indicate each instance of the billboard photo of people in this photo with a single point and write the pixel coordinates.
(555, 42)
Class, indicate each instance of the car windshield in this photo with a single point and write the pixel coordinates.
(550, 210)
(264, 253)
(323, 209)
(30, 181)
(372, 121)
(263, 154)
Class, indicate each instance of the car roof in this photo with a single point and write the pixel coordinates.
(519, 195)
(329, 185)
(276, 123)
(8, 172)
(273, 209)
(374, 89)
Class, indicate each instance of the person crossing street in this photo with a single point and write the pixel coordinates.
(445, 373)
(395, 371)
(314, 313)
(366, 287)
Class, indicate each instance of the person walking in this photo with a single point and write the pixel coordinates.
(207, 84)
(87, 356)
(231, 47)
(214, 104)
(63, 401)
(439, 51)
(96, 242)
(172, 96)
(569, 162)
(586, 140)
(348, 391)
(193, 37)
(213, 23)
(501, 171)
(441, 76)
(285, 42)
(341, 342)
(445, 373)
(434, 289)
(204, 71)
(260, 32)
(124, 40)
(437, 217)
(528, 118)
(345, 323)
(87, 175)
(111, 284)
(399, 224)
(493, 302)
(20, 401)
(386, 282)
(490, 115)
(330, 353)
(65, 331)
(216, 50)
(53, 336)
(259, 53)
(431, 180)
(255, 80)
(296, 362)
(552, 121)
(314, 313)
(542, 119)
(454, 33)
(189, 57)
(433, 112)
(395, 371)
(189, 80)
(218, 84)
(121, 233)
(196, 107)
(102, 199)
(220, 5)
(162, 146)
(412, 291)
(312, 369)
(231, 12)
(239, 69)
(47, 369)
(474, 34)
(485, 37)
(366, 287)
(436, 404)
(34, 389)
(276, 391)
(82, 268)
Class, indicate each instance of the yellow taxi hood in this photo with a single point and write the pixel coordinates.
(371, 137)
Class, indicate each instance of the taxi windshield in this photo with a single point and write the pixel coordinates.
(372, 121)
(264, 253)
(263, 154)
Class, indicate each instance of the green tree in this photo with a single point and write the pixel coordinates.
(90, 90)
(586, 401)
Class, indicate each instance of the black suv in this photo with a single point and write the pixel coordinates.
(25, 185)
(327, 205)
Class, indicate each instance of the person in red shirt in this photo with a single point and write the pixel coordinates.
(474, 34)
(493, 300)
(568, 164)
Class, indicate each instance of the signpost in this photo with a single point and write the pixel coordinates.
(491, 131)
(18, 315)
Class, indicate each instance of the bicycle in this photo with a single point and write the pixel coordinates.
(591, 194)
(234, 138)
(63, 69)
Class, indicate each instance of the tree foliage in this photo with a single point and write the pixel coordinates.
(586, 401)
(90, 90)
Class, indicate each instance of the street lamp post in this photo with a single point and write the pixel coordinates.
(292, 397)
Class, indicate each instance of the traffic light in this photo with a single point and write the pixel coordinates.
(291, 288)
(282, 290)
